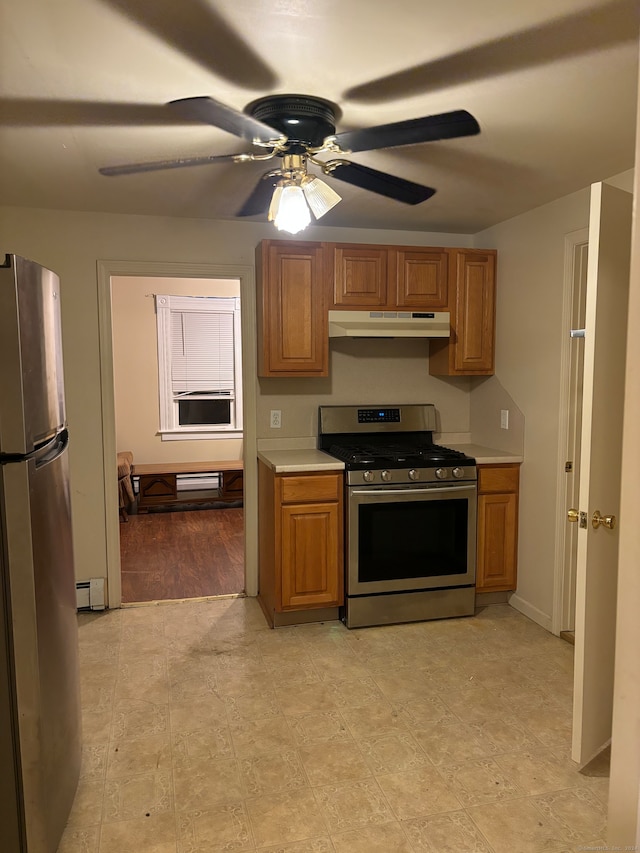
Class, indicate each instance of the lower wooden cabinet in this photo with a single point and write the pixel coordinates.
(300, 544)
(498, 487)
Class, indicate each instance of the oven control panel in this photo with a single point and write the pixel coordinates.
(378, 416)
(399, 476)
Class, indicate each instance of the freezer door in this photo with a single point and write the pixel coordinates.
(31, 379)
(10, 803)
(43, 637)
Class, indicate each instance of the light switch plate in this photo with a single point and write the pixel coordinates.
(504, 418)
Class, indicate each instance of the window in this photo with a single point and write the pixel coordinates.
(199, 367)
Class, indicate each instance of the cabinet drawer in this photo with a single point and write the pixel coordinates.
(313, 487)
(498, 478)
(157, 489)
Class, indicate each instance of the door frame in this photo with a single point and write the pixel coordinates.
(106, 269)
(573, 243)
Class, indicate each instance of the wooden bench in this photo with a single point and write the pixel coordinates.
(158, 483)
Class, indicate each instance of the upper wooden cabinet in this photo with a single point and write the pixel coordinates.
(299, 281)
(420, 278)
(470, 349)
(387, 277)
(358, 274)
(292, 310)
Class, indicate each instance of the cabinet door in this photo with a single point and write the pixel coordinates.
(474, 312)
(421, 278)
(359, 275)
(157, 489)
(470, 349)
(292, 310)
(497, 542)
(311, 566)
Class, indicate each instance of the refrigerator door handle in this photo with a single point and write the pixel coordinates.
(52, 449)
(44, 453)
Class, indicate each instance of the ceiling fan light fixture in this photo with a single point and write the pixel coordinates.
(289, 210)
(319, 195)
(275, 201)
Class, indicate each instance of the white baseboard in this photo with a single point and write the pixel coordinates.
(529, 610)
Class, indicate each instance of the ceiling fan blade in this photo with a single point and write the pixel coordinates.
(410, 132)
(158, 165)
(378, 182)
(588, 30)
(202, 34)
(260, 199)
(226, 118)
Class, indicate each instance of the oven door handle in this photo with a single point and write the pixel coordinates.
(401, 491)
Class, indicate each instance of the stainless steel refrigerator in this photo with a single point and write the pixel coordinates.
(40, 739)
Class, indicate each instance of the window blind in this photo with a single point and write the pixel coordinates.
(202, 352)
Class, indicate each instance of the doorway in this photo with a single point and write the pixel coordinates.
(107, 270)
(176, 343)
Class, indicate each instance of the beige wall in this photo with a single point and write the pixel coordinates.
(624, 792)
(529, 313)
(528, 344)
(71, 243)
(364, 371)
(487, 399)
(135, 368)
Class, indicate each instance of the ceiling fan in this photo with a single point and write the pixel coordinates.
(296, 129)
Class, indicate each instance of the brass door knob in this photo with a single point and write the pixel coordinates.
(608, 521)
(573, 514)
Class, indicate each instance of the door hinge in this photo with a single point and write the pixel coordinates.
(568, 467)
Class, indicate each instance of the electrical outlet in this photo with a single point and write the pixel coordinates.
(276, 418)
(504, 418)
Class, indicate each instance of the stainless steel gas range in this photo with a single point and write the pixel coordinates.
(410, 515)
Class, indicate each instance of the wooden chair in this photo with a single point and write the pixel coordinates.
(125, 486)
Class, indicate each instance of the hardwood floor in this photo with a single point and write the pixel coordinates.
(182, 554)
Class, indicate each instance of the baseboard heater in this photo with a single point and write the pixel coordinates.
(188, 482)
(90, 594)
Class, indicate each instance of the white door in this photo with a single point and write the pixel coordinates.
(600, 463)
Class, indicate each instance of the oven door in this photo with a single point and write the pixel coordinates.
(402, 538)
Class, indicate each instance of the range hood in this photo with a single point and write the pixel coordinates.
(389, 324)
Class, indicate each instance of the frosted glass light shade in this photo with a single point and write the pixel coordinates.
(275, 201)
(291, 211)
(320, 197)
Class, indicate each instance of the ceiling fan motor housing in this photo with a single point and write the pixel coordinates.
(305, 121)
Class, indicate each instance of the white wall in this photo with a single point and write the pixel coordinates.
(71, 243)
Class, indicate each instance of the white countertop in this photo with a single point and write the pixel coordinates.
(291, 461)
(283, 460)
(487, 455)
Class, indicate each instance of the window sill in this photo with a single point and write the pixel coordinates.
(198, 435)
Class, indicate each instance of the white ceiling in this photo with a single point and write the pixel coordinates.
(84, 83)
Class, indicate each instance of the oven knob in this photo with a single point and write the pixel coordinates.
(413, 474)
(442, 473)
(368, 476)
(386, 476)
(458, 473)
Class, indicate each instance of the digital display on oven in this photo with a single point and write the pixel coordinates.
(378, 416)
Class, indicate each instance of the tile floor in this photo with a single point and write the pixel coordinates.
(206, 731)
